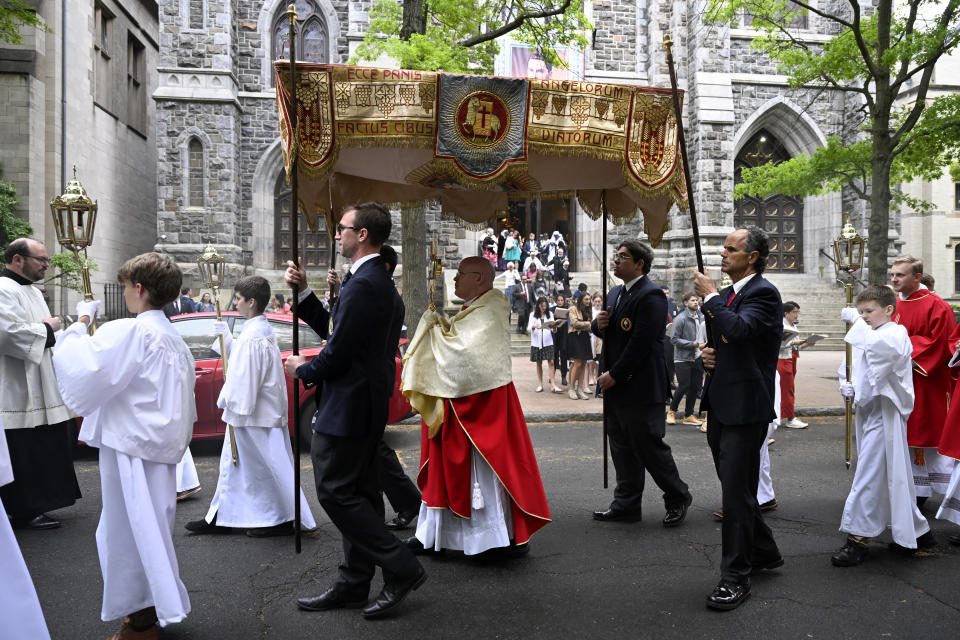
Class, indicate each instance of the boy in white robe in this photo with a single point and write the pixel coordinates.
(255, 494)
(883, 494)
(133, 383)
(19, 608)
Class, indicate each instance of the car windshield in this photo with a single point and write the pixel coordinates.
(198, 334)
(284, 332)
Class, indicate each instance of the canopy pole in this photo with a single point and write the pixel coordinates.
(295, 241)
(678, 113)
(603, 357)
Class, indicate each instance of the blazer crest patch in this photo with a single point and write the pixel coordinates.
(626, 324)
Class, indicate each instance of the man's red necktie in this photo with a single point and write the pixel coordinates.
(731, 298)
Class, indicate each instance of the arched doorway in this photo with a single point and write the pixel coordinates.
(781, 216)
(314, 246)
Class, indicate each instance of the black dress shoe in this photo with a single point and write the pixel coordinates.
(769, 565)
(850, 554)
(926, 541)
(330, 599)
(499, 554)
(38, 523)
(393, 594)
(200, 527)
(414, 544)
(676, 515)
(401, 521)
(728, 595)
(617, 515)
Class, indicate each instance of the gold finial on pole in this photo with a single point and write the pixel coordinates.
(292, 13)
(668, 43)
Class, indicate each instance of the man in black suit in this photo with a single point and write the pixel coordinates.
(745, 329)
(635, 388)
(183, 304)
(355, 374)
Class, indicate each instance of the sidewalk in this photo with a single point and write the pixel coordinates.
(816, 386)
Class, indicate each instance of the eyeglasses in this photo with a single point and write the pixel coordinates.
(341, 227)
(40, 260)
(623, 256)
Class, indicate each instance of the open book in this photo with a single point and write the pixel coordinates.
(814, 338)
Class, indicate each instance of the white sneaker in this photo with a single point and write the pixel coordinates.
(794, 423)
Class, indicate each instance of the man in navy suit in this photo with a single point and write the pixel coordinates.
(745, 329)
(636, 389)
(355, 377)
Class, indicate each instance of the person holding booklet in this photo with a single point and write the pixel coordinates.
(541, 326)
(787, 364)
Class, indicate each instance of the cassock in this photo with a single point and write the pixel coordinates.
(20, 611)
(39, 427)
(478, 473)
(187, 477)
(929, 321)
(256, 491)
(883, 494)
(133, 382)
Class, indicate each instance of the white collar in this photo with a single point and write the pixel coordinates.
(739, 284)
(356, 265)
(628, 285)
(919, 287)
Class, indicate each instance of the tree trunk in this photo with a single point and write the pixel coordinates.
(413, 233)
(878, 244)
(414, 18)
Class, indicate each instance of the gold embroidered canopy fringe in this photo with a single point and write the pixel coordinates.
(475, 143)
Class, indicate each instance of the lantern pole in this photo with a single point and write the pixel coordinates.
(211, 270)
(295, 242)
(603, 356)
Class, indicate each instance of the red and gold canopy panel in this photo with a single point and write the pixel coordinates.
(474, 143)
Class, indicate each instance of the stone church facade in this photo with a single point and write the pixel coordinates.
(220, 170)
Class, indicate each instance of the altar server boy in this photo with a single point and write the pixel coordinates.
(883, 495)
(132, 382)
(254, 494)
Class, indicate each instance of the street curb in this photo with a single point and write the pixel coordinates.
(597, 416)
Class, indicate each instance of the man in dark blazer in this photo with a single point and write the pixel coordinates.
(635, 388)
(355, 374)
(745, 328)
(183, 304)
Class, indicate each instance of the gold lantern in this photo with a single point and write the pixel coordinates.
(74, 219)
(211, 273)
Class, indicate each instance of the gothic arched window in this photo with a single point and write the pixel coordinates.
(312, 40)
(195, 164)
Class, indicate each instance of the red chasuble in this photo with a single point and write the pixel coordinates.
(950, 439)
(929, 321)
(492, 421)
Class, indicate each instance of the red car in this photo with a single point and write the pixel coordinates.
(196, 329)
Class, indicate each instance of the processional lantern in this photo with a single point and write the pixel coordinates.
(847, 260)
(848, 250)
(211, 273)
(74, 219)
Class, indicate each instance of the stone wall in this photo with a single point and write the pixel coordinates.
(615, 36)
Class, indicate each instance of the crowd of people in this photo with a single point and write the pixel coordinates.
(478, 488)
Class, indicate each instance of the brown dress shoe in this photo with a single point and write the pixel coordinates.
(127, 632)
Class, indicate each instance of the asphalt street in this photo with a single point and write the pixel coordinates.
(581, 579)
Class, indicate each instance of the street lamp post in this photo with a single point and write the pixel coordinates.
(74, 218)
(211, 272)
(848, 259)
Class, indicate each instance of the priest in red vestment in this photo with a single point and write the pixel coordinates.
(478, 473)
(929, 321)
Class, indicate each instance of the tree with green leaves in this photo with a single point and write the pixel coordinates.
(15, 14)
(884, 56)
(460, 36)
